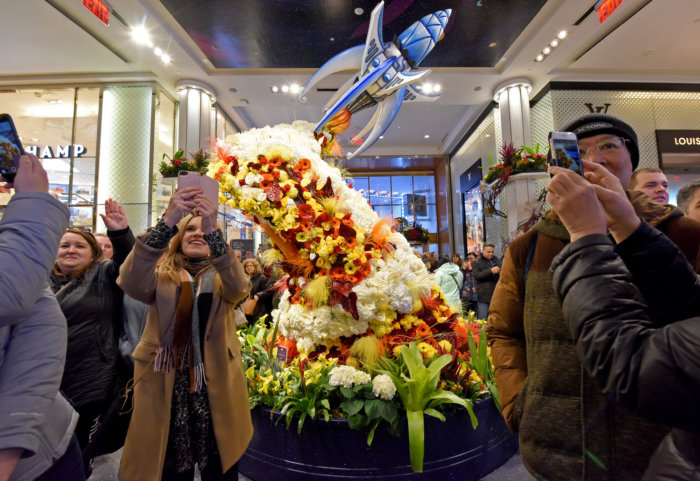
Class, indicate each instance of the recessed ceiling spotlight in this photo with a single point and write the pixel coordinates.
(165, 58)
(285, 88)
(140, 35)
(359, 11)
(381, 137)
(437, 88)
(539, 58)
(274, 89)
(294, 88)
(427, 136)
(562, 35)
(477, 88)
(554, 43)
(487, 135)
(546, 50)
(492, 44)
(158, 51)
(332, 39)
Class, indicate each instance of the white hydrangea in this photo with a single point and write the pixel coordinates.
(310, 327)
(348, 376)
(383, 387)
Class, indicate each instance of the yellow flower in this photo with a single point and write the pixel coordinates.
(445, 345)
(307, 195)
(293, 192)
(350, 267)
(426, 350)
(250, 372)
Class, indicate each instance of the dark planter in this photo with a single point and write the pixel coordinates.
(325, 451)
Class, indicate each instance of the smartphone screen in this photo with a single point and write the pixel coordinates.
(10, 148)
(564, 151)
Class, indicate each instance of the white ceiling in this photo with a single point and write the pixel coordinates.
(658, 43)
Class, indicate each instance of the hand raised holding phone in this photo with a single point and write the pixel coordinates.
(182, 202)
(30, 177)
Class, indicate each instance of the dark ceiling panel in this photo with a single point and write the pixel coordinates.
(306, 33)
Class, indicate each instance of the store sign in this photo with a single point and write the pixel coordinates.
(678, 141)
(61, 151)
(100, 10)
(606, 8)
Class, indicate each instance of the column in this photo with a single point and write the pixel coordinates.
(197, 117)
(513, 99)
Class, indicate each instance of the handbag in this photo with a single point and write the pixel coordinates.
(110, 434)
(239, 316)
(249, 306)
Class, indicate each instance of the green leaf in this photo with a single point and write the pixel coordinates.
(352, 406)
(325, 404)
(388, 411)
(434, 413)
(493, 390)
(357, 422)
(372, 408)
(416, 439)
(347, 392)
(370, 436)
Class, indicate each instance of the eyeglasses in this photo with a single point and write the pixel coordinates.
(610, 148)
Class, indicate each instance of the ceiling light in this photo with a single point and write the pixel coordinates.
(140, 35)
(285, 88)
(492, 44)
(381, 137)
(294, 88)
(359, 11)
(274, 89)
(55, 101)
(562, 35)
(427, 136)
(546, 50)
(437, 88)
(158, 51)
(554, 43)
(539, 58)
(165, 58)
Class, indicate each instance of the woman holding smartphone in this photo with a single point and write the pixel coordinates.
(86, 288)
(190, 395)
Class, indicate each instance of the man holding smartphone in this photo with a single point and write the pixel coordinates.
(37, 423)
(568, 428)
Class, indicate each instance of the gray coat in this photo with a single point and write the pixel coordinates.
(35, 417)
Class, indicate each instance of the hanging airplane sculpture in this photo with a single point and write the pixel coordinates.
(386, 72)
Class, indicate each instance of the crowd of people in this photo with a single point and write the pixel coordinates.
(591, 319)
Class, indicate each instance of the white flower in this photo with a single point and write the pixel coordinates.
(261, 196)
(250, 179)
(347, 376)
(383, 387)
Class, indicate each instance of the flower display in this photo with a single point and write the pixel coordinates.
(357, 306)
(413, 232)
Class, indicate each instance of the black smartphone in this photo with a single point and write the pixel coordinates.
(10, 148)
(564, 151)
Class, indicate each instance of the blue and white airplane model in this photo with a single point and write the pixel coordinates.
(386, 72)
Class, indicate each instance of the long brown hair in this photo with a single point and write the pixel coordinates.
(97, 255)
(170, 264)
(250, 260)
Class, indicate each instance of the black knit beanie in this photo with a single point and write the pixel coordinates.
(595, 124)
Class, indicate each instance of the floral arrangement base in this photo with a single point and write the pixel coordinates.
(331, 450)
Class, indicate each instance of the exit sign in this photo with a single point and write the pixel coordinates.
(606, 7)
(100, 10)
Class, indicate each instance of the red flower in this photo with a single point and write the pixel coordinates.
(177, 162)
(306, 211)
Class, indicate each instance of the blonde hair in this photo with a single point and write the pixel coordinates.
(258, 269)
(172, 262)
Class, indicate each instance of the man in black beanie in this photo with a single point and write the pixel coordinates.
(567, 428)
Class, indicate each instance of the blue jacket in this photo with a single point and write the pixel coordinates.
(35, 416)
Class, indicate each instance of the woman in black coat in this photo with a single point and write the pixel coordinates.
(85, 287)
(611, 293)
(259, 291)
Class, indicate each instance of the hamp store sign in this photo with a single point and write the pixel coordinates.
(59, 152)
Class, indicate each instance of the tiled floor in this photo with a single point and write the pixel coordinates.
(106, 470)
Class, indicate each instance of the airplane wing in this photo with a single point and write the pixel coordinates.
(375, 40)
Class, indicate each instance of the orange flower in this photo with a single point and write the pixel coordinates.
(323, 273)
(304, 164)
(338, 274)
(306, 224)
(268, 176)
(275, 163)
(297, 299)
(366, 268)
(423, 330)
(265, 184)
(351, 242)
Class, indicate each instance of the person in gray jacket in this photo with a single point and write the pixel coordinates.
(37, 423)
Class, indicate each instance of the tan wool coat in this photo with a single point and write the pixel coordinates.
(147, 439)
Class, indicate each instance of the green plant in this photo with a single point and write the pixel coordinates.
(416, 385)
(178, 163)
(312, 399)
(481, 363)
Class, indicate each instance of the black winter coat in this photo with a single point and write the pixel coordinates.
(485, 279)
(92, 305)
(260, 284)
(653, 372)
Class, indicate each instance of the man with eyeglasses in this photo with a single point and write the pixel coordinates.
(568, 429)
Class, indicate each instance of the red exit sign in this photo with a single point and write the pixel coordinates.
(606, 8)
(100, 10)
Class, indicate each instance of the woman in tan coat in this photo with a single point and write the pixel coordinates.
(190, 397)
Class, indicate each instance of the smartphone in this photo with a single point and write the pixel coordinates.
(564, 151)
(195, 179)
(10, 148)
